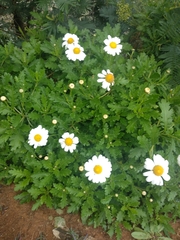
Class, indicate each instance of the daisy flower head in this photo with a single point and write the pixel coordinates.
(75, 52)
(113, 45)
(68, 142)
(69, 39)
(107, 79)
(158, 170)
(38, 137)
(98, 169)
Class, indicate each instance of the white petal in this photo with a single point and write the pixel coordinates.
(104, 72)
(100, 80)
(65, 135)
(76, 140)
(101, 75)
(158, 159)
(157, 181)
(166, 177)
(149, 164)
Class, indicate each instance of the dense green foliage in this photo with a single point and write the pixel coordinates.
(35, 81)
(137, 118)
(157, 31)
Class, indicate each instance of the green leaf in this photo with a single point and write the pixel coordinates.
(141, 235)
(35, 192)
(106, 200)
(37, 204)
(111, 231)
(120, 216)
(16, 141)
(85, 212)
(172, 195)
(166, 114)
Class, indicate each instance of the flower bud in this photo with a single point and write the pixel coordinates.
(105, 116)
(147, 90)
(71, 85)
(144, 193)
(81, 168)
(81, 82)
(21, 90)
(3, 98)
(54, 121)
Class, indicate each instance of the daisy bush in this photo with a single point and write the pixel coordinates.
(89, 124)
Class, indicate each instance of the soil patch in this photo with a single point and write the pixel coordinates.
(19, 222)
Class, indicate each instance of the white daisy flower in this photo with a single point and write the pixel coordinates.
(107, 79)
(158, 170)
(98, 169)
(38, 137)
(113, 45)
(75, 52)
(69, 39)
(68, 142)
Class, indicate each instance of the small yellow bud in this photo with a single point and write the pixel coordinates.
(116, 195)
(3, 98)
(46, 158)
(105, 116)
(54, 121)
(144, 193)
(21, 90)
(81, 82)
(81, 168)
(151, 200)
(71, 85)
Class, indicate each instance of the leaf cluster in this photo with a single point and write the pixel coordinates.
(156, 32)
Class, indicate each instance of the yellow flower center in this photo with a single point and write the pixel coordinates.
(68, 141)
(97, 169)
(109, 78)
(76, 50)
(37, 137)
(70, 40)
(158, 170)
(113, 45)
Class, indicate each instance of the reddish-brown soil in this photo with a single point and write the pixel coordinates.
(18, 222)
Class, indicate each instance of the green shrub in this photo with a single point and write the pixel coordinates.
(156, 31)
(136, 118)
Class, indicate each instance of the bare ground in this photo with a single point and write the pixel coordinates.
(19, 222)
